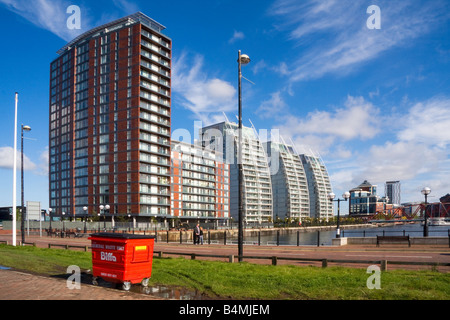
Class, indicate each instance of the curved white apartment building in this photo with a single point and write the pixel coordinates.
(289, 182)
(256, 188)
(319, 186)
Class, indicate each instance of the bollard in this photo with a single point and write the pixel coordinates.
(181, 237)
(318, 238)
(259, 237)
(298, 238)
(231, 258)
(209, 237)
(383, 265)
(167, 233)
(225, 238)
(324, 263)
(278, 237)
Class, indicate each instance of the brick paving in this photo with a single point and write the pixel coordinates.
(16, 285)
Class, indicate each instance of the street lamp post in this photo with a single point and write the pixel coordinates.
(331, 196)
(50, 214)
(108, 207)
(102, 212)
(85, 218)
(243, 59)
(64, 225)
(425, 191)
(22, 226)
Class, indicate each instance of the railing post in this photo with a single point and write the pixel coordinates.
(274, 260)
(318, 238)
(225, 238)
(181, 237)
(278, 237)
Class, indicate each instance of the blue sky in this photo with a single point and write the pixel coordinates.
(374, 103)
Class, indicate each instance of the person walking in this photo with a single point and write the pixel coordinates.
(197, 234)
(201, 235)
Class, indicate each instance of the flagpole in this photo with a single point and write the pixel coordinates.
(15, 176)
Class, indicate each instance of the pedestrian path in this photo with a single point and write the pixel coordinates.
(15, 285)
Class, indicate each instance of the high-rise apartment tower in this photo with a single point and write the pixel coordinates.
(110, 118)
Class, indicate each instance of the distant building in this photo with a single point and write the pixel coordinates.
(364, 200)
(6, 213)
(392, 191)
(200, 184)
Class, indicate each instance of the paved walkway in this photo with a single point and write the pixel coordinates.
(16, 285)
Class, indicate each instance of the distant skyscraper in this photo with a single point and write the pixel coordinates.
(110, 120)
(392, 191)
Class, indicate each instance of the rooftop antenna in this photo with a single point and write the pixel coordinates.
(226, 118)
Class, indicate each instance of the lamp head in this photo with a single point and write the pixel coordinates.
(426, 191)
(26, 128)
(331, 196)
(346, 195)
(245, 59)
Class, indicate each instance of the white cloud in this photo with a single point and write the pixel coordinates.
(358, 119)
(428, 122)
(46, 14)
(207, 97)
(400, 161)
(237, 35)
(52, 15)
(126, 6)
(334, 38)
(7, 159)
(273, 107)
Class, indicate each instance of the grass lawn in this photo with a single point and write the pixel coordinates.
(223, 280)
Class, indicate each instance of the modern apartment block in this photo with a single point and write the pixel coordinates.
(319, 186)
(364, 200)
(289, 183)
(256, 183)
(110, 120)
(200, 184)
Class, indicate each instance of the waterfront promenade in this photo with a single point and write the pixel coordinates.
(22, 286)
(431, 253)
